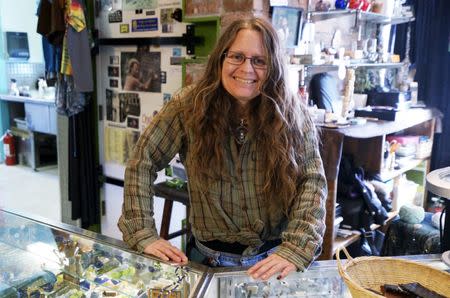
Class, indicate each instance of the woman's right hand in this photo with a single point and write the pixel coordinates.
(164, 250)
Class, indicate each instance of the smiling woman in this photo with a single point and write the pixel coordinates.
(256, 182)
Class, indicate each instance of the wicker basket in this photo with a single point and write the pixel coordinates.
(364, 273)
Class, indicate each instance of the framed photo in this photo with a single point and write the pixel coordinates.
(287, 22)
(192, 70)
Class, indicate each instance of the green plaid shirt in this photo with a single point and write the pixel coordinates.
(231, 210)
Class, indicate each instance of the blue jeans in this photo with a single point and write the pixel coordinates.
(202, 254)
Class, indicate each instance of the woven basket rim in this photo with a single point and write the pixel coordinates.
(351, 262)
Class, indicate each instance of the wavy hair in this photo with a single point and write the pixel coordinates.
(276, 117)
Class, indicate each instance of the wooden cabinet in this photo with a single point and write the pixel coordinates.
(365, 144)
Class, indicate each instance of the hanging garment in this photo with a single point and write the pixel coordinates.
(52, 58)
(83, 180)
(69, 101)
(51, 21)
(76, 57)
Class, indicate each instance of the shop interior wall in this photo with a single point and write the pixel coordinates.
(18, 16)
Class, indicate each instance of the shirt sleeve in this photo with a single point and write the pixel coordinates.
(158, 144)
(303, 236)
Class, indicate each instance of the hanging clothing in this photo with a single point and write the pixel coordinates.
(83, 180)
(76, 59)
(51, 22)
(76, 67)
(68, 101)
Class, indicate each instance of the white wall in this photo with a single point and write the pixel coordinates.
(20, 16)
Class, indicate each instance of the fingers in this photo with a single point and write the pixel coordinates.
(270, 266)
(164, 250)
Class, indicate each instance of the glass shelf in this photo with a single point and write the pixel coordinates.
(317, 16)
(314, 69)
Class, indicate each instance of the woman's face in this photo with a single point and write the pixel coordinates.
(243, 81)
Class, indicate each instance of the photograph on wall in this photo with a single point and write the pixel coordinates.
(286, 21)
(141, 71)
(167, 20)
(129, 105)
(193, 70)
(113, 71)
(114, 60)
(133, 122)
(139, 4)
(113, 83)
(112, 105)
(195, 8)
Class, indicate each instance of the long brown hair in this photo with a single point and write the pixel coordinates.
(277, 117)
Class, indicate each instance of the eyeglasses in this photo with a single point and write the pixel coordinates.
(239, 58)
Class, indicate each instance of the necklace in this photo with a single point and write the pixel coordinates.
(241, 132)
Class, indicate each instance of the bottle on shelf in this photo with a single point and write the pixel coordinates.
(303, 89)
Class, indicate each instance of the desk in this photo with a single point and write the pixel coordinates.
(40, 116)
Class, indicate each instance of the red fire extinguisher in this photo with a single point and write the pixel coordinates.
(9, 148)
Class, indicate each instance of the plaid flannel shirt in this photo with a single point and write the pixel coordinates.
(231, 210)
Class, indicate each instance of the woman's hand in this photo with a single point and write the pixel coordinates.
(164, 250)
(271, 265)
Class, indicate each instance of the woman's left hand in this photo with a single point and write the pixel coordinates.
(271, 265)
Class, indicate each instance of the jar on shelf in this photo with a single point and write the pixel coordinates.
(341, 4)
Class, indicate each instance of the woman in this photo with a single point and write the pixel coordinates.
(256, 183)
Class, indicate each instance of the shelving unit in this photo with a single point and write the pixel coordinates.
(365, 144)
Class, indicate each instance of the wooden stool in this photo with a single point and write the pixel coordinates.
(170, 195)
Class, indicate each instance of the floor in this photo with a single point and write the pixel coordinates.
(30, 192)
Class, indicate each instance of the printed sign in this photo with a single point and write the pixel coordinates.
(140, 25)
(124, 28)
(115, 17)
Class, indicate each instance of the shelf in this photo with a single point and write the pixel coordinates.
(312, 69)
(340, 242)
(387, 175)
(391, 216)
(375, 65)
(317, 16)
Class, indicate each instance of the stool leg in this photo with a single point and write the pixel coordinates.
(165, 222)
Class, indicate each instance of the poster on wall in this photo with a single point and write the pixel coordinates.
(119, 144)
(141, 71)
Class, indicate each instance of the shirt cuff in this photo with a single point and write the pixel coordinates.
(299, 259)
(142, 244)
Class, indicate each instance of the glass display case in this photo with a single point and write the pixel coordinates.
(41, 258)
(320, 280)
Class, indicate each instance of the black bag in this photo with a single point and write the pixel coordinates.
(373, 204)
(360, 205)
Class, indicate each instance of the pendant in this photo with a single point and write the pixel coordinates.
(241, 132)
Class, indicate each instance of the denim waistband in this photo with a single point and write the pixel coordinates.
(225, 259)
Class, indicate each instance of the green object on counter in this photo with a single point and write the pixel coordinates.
(176, 183)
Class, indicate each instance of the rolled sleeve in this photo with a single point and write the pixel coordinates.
(303, 236)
